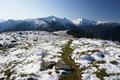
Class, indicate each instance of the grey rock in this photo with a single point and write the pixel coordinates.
(100, 54)
(47, 65)
(31, 79)
(58, 66)
(88, 57)
(14, 41)
(63, 66)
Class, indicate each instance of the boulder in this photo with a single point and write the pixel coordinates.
(47, 65)
(63, 66)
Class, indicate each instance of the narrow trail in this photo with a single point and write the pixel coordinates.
(75, 75)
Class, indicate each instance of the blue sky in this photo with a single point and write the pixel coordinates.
(95, 9)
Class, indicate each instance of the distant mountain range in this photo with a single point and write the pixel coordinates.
(78, 28)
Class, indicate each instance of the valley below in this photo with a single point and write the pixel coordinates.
(42, 55)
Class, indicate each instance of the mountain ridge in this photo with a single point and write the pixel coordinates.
(84, 28)
(74, 21)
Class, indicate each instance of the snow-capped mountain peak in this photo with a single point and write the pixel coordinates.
(83, 21)
(56, 19)
(50, 23)
(50, 18)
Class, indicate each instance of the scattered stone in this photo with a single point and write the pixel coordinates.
(13, 41)
(31, 79)
(63, 66)
(47, 65)
(100, 54)
(20, 33)
(87, 57)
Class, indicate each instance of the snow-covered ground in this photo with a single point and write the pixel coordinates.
(22, 55)
(30, 55)
(98, 59)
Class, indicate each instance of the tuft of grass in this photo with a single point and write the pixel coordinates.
(95, 63)
(114, 62)
(23, 75)
(99, 62)
(92, 51)
(8, 73)
(101, 73)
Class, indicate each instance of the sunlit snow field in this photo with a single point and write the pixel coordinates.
(33, 55)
